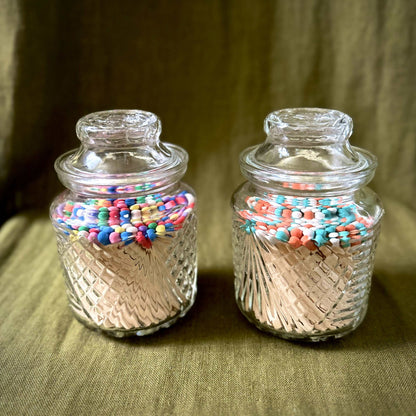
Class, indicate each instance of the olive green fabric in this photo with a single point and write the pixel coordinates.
(212, 70)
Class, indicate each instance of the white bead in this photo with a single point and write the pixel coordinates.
(190, 198)
(319, 215)
(308, 232)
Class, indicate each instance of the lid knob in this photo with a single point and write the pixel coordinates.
(118, 128)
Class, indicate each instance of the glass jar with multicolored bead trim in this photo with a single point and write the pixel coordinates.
(126, 226)
(305, 227)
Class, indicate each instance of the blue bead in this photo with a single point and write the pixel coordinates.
(282, 236)
(130, 201)
(103, 238)
(330, 229)
(125, 235)
(151, 234)
(320, 240)
(345, 242)
(161, 208)
(350, 219)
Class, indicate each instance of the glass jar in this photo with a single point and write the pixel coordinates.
(126, 226)
(305, 227)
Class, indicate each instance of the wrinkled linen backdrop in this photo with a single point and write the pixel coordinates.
(212, 70)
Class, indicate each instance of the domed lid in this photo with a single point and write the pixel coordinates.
(308, 149)
(120, 153)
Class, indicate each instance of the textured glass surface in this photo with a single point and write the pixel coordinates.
(127, 289)
(298, 293)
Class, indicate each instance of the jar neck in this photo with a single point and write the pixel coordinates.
(124, 192)
(297, 190)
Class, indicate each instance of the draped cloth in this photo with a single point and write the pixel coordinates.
(212, 71)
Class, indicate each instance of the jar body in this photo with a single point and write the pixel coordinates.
(303, 261)
(129, 261)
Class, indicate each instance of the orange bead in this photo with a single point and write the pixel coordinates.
(308, 215)
(309, 244)
(296, 232)
(295, 242)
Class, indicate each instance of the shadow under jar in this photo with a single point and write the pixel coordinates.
(126, 226)
(305, 227)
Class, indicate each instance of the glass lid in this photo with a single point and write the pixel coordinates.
(308, 148)
(120, 152)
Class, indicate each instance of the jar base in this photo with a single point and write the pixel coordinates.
(124, 333)
(306, 337)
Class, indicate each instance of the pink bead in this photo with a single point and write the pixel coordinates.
(115, 238)
(170, 204)
(92, 236)
(181, 200)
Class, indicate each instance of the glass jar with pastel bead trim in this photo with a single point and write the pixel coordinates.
(305, 227)
(126, 225)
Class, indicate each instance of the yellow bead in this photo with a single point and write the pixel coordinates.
(160, 230)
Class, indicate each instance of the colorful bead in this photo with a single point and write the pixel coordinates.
(311, 222)
(115, 221)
